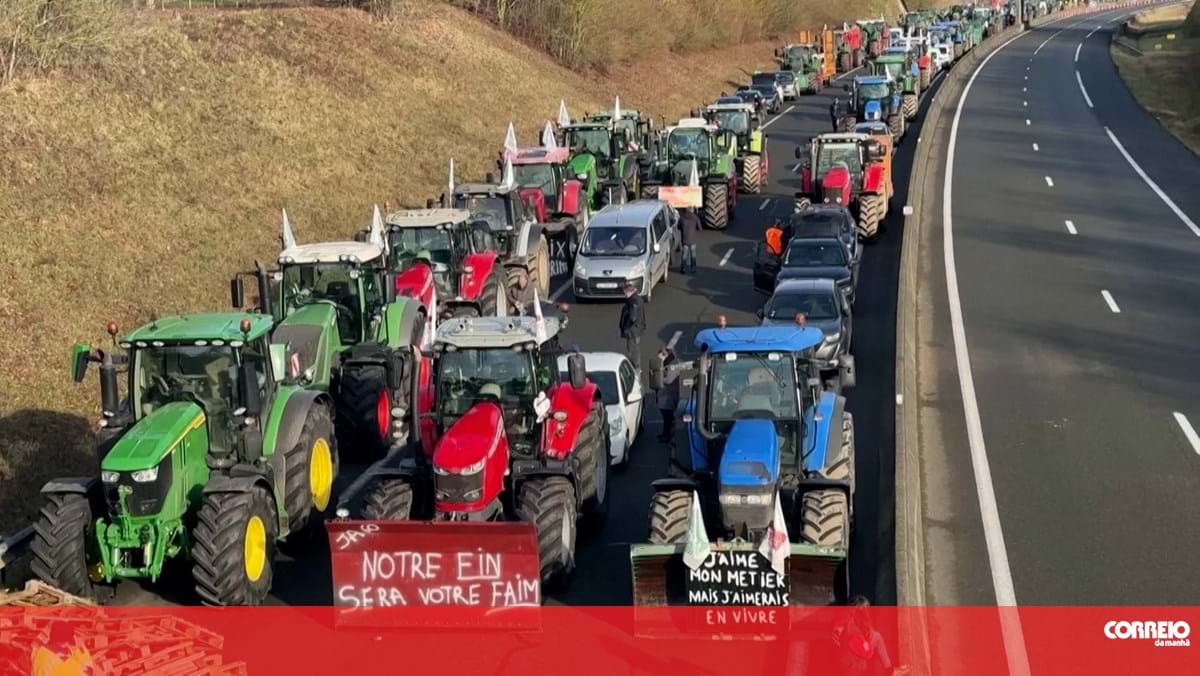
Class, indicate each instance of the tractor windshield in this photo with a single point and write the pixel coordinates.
(753, 383)
(594, 140)
(466, 377)
(204, 374)
(687, 143)
(831, 154)
(892, 68)
(874, 90)
(737, 121)
(407, 243)
(540, 176)
(493, 208)
(627, 126)
(336, 284)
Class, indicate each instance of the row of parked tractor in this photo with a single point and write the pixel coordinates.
(422, 347)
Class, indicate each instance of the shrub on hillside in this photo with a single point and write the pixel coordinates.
(39, 34)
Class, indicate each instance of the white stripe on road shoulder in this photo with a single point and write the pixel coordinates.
(796, 168)
(674, 339)
(1112, 303)
(1188, 431)
(1049, 181)
(1071, 228)
(1153, 186)
(1085, 94)
(725, 258)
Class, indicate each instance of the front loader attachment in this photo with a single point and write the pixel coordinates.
(482, 574)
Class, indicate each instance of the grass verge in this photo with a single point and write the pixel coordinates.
(1163, 78)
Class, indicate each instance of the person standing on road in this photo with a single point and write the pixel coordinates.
(774, 238)
(668, 394)
(689, 231)
(833, 113)
(633, 325)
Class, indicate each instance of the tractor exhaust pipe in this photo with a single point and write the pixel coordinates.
(702, 396)
(110, 398)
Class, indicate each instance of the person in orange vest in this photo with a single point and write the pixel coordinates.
(774, 238)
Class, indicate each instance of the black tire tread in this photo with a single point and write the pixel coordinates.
(389, 500)
(752, 174)
(217, 548)
(669, 514)
(588, 444)
(60, 543)
(545, 502)
(355, 425)
(716, 206)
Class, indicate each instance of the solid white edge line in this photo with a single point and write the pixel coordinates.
(1083, 91)
(1077, 48)
(773, 119)
(725, 258)
(674, 339)
(1049, 182)
(1112, 303)
(1153, 186)
(1071, 227)
(1010, 620)
(1188, 431)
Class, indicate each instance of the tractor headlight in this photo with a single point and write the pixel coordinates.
(473, 494)
(473, 469)
(439, 471)
(145, 476)
(110, 477)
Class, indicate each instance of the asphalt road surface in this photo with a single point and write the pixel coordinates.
(1068, 469)
(681, 307)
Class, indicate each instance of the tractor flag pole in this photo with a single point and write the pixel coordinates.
(430, 321)
(616, 109)
(564, 118)
(510, 141)
(508, 181)
(289, 238)
(376, 236)
(450, 194)
(696, 552)
(548, 141)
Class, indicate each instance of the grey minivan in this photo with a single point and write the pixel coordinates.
(632, 242)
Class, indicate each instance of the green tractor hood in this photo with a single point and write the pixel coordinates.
(153, 437)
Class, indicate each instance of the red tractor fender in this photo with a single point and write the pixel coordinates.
(477, 268)
(478, 436)
(835, 186)
(559, 436)
(873, 178)
(535, 199)
(569, 198)
(416, 282)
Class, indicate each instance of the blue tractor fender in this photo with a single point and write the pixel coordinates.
(823, 425)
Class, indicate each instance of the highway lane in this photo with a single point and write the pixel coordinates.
(681, 307)
(1078, 309)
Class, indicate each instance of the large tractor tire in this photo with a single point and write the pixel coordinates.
(539, 270)
(924, 79)
(233, 548)
(669, 514)
(549, 504)
(716, 206)
(64, 544)
(364, 412)
(909, 106)
(846, 124)
(493, 299)
(870, 215)
(896, 126)
(825, 515)
(649, 192)
(591, 464)
(311, 467)
(752, 177)
(389, 500)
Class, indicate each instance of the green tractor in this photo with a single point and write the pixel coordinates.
(751, 160)
(605, 150)
(808, 63)
(874, 36)
(901, 66)
(694, 153)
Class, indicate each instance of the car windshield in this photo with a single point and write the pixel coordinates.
(609, 241)
(802, 254)
(494, 209)
(606, 381)
(592, 140)
(205, 374)
(830, 154)
(468, 376)
(767, 90)
(817, 219)
(737, 121)
(787, 76)
(540, 176)
(767, 79)
(685, 143)
(753, 382)
(816, 305)
(874, 90)
(748, 95)
(407, 243)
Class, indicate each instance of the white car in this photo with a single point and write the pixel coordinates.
(621, 389)
(943, 56)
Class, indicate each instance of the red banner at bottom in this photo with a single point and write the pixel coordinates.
(600, 640)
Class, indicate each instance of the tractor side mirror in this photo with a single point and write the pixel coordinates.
(362, 235)
(395, 370)
(237, 292)
(577, 370)
(248, 390)
(389, 288)
(81, 354)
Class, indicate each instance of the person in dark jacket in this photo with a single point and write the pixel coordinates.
(834, 109)
(689, 232)
(668, 394)
(633, 325)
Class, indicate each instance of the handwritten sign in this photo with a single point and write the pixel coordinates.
(682, 197)
(395, 564)
(736, 578)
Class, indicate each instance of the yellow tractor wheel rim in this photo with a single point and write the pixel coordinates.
(255, 548)
(320, 473)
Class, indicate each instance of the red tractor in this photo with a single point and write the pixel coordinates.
(512, 442)
(558, 199)
(846, 169)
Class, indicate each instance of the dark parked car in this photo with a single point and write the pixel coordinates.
(829, 220)
(772, 99)
(753, 96)
(807, 258)
(823, 306)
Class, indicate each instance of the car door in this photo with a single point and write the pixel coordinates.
(660, 250)
(631, 398)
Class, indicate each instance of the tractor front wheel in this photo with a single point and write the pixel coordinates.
(825, 515)
(870, 215)
(649, 192)
(896, 126)
(493, 300)
(364, 411)
(752, 174)
(389, 500)
(310, 468)
(64, 544)
(716, 206)
(233, 548)
(549, 504)
(669, 514)
(909, 106)
(591, 463)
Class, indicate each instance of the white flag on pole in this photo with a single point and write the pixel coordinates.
(548, 141)
(563, 117)
(509, 181)
(510, 140)
(289, 238)
(450, 195)
(616, 109)
(774, 544)
(431, 320)
(539, 322)
(376, 234)
(696, 552)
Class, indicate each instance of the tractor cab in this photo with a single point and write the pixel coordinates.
(738, 118)
(604, 157)
(630, 127)
(518, 239)
(348, 277)
(695, 141)
(433, 243)
(873, 98)
(837, 163)
(545, 181)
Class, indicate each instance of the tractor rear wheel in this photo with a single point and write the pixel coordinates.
(539, 271)
(364, 412)
(233, 548)
(493, 300)
(669, 514)
(870, 214)
(649, 192)
(310, 468)
(549, 504)
(389, 500)
(64, 544)
(825, 515)
(846, 124)
(716, 206)
(591, 463)
(909, 106)
(896, 126)
(752, 174)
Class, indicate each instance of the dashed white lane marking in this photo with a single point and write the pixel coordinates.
(1084, 91)
(1071, 228)
(774, 119)
(1188, 431)
(1094, 31)
(1049, 181)
(560, 290)
(1015, 651)
(725, 258)
(1024, 89)
(1112, 304)
(674, 339)
(796, 168)
(1025, 103)
(764, 205)
(1077, 48)
(1036, 148)
(1153, 186)
(1028, 122)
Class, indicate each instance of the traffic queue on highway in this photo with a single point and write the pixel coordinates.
(424, 355)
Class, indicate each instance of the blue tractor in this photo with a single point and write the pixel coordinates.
(760, 431)
(874, 98)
